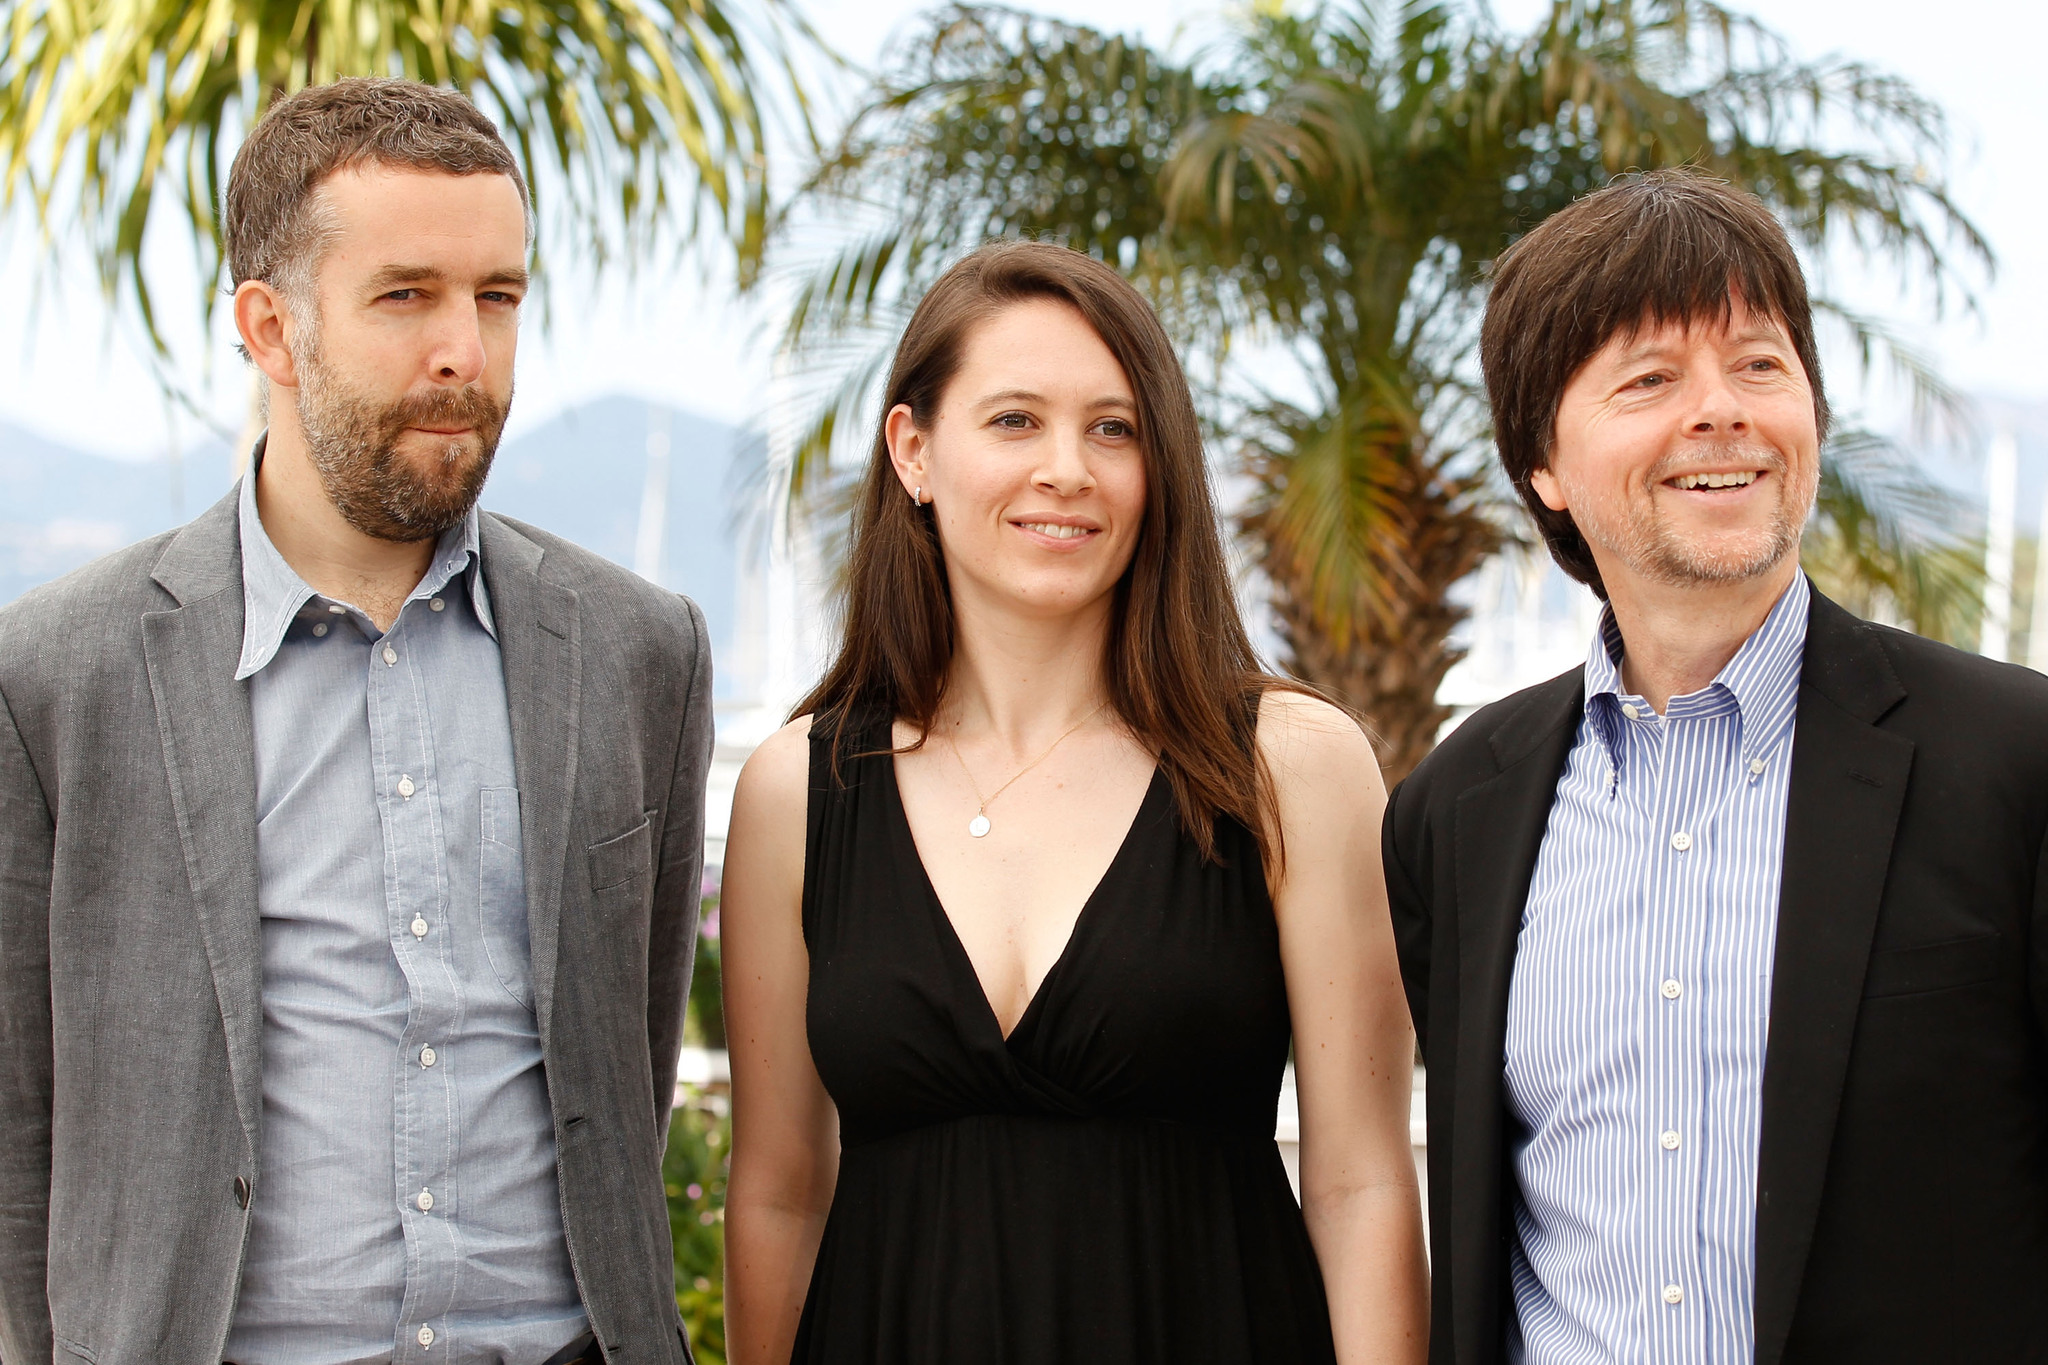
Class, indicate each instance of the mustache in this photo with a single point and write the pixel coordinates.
(1719, 455)
(465, 407)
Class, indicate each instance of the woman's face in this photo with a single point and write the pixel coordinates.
(1032, 465)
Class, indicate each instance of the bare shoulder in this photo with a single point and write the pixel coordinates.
(777, 775)
(1311, 746)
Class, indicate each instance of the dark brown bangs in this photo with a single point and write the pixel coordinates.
(1668, 247)
(1181, 672)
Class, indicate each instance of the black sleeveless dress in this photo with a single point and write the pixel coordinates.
(1101, 1188)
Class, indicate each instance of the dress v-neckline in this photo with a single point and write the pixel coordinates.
(950, 935)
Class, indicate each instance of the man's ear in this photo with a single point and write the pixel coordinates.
(1549, 489)
(264, 320)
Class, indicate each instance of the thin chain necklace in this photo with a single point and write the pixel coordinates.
(979, 825)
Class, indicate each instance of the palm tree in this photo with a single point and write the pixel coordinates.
(624, 113)
(1337, 181)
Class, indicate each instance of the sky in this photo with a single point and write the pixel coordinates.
(72, 368)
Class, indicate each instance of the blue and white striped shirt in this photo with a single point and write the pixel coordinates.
(1639, 1011)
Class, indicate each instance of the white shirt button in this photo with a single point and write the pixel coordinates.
(337, 608)
(1673, 1295)
(390, 656)
(1756, 766)
(406, 788)
(425, 1201)
(427, 1057)
(1681, 841)
(437, 605)
(419, 929)
(1631, 710)
(1671, 989)
(426, 1337)
(320, 629)
(1668, 1139)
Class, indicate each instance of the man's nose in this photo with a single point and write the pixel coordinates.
(1719, 409)
(458, 356)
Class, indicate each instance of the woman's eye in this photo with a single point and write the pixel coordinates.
(1115, 428)
(1014, 421)
(1763, 364)
(1650, 381)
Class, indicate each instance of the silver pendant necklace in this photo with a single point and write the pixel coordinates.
(979, 826)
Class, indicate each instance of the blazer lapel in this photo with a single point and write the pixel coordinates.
(210, 757)
(540, 639)
(1848, 785)
(1500, 826)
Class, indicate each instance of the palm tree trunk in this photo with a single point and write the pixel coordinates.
(1392, 660)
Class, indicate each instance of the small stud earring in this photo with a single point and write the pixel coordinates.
(917, 496)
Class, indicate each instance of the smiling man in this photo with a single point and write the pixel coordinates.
(1729, 950)
(350, 839)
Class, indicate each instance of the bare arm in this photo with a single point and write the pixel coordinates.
(1353, 1045)
(785, 1156)
(27, 848)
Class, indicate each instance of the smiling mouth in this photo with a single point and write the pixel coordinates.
(1048, 529)
(1735, 479)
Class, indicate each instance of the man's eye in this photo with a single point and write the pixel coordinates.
(497, 296)
(1650, 381)
(401, 295)
(1763, 363)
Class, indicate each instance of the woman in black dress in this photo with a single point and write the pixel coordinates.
(1022, 911)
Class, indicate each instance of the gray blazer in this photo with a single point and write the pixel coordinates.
(131, 954)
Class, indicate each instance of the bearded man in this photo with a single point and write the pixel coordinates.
(1729, 950)
(350, 839)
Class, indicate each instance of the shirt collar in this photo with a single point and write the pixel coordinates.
(1762, 679)
(273, 594)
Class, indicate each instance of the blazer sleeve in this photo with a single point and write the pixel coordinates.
(1410, 909)
(2038, 985)
(27, 850)
(678, 883)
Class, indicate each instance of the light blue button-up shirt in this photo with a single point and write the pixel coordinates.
(1639, 1013)
(405, 1208)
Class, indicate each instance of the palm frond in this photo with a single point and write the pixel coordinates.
(628, 115)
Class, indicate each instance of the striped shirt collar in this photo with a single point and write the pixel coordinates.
(273, 594)
(1760, 684)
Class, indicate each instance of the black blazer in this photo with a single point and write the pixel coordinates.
(1902, 1184)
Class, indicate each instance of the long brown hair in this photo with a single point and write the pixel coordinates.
(1181, 672)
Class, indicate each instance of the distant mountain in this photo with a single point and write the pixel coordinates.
(581, 476)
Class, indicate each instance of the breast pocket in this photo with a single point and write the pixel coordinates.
(1934, 966)
(623, 858)
(501, 894)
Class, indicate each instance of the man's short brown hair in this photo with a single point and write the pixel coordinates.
(1670, 246)
(272, 221)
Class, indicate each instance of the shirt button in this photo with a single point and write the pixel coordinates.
(1669, 1140)
(320, 629)
(1671, 989)
(1681, 841)
(1631, 710)
(438, 605)
(1756, 766)
(426, 1337)
(426, 1056)
(390, 656)
(419, 929)
(1673, 1295)
(406, 788)
(425, 1201)
(337, 609)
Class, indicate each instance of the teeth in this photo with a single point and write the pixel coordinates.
(1741, 480)
(1046, 528)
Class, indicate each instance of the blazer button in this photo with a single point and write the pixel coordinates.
(242, 1192)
